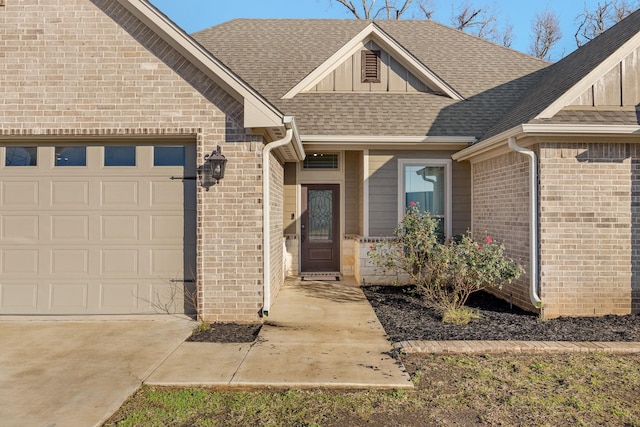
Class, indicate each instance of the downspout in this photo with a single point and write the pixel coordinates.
(533, 220)
(266, 214)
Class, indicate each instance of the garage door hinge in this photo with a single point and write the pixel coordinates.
(184, 177)
(181, 281)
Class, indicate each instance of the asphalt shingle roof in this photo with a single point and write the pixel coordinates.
(566, 73)
(275, 55)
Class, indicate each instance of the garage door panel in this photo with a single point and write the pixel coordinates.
(20, 228)
(119, 228)
(69, 262)
(19, 261)
(119, 297)
(70, 194)
(118, 262)
(68, 297)
(120, 194)
(24, 194)
(18, 297)
(167, 263)
(166, 227)
(69, 227)
(97, 239)
(166, 194)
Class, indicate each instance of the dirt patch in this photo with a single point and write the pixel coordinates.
(227, 333)
(405, 317)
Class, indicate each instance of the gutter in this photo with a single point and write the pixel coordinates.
(533, 220)
(266, 214)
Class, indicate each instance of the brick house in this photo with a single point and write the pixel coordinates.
(329, 128)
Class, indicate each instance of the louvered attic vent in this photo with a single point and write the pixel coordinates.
(370, 66)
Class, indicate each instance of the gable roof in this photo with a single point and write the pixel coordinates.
(274, 56)
(372, 32)
(258, 111)
(567, 79)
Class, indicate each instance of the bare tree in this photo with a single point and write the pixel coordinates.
(368, 9)
(482, 22)
(592, 23)
(426, 8)
(545, 30)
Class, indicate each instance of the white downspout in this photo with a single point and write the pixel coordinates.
(266, 214)
(533, 221)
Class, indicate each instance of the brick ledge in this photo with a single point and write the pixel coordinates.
(488, 347)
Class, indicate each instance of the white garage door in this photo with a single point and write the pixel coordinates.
(96, 229)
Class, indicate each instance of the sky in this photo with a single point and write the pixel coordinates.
(194, 15)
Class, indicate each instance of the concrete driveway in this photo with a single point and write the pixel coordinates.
(77, 373)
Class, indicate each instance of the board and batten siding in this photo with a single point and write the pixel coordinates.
(347, 77)
(353, 196)
(383, 190)
(619, 87)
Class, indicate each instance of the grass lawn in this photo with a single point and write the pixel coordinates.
(591, 389)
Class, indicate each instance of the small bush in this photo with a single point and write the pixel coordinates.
(446, 273)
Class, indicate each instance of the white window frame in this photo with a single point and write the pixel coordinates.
(446, 163)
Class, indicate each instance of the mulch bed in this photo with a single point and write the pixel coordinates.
(227, 333)
(405, 317)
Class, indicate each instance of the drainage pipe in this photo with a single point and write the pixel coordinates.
(533, 220)
(266, 214)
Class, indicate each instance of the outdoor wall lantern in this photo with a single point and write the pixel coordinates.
(215, 164)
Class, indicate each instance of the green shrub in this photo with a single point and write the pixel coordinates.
(445, 273)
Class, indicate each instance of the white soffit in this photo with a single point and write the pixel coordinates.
(373, 33)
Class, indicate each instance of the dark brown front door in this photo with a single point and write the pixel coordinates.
(320, 228)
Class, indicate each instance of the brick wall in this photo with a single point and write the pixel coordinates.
(585, 229)
(68, 68)
(500, 193)
(277, 211)
(634, 151)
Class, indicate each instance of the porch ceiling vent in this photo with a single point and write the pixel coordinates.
(370, 66)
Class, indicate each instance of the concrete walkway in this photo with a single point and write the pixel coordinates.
(319, 334)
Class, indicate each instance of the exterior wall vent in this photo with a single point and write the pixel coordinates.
(370, 66)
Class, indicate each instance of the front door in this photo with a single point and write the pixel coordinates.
(320, 228)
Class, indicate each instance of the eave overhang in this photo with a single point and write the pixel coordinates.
(544, 130)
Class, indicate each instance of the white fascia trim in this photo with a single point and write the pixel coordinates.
(605, 66)
(290, 123)
(324, 139)
(486, 145)
(544, 129)
(180, 40)
(372, 32)
(576, 129)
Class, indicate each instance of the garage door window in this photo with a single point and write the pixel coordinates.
(119, 155)
(21, 156)
(168, 156)
(71, 156)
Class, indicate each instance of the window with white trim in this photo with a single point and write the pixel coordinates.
(427, 185)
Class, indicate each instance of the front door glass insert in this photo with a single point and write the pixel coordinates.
(320, 215)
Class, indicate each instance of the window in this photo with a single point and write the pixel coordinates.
(320, 161)
(168, 156)
(426, 184)
(21, 156)
(71, 156)
(118, 155)
(370, 66)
